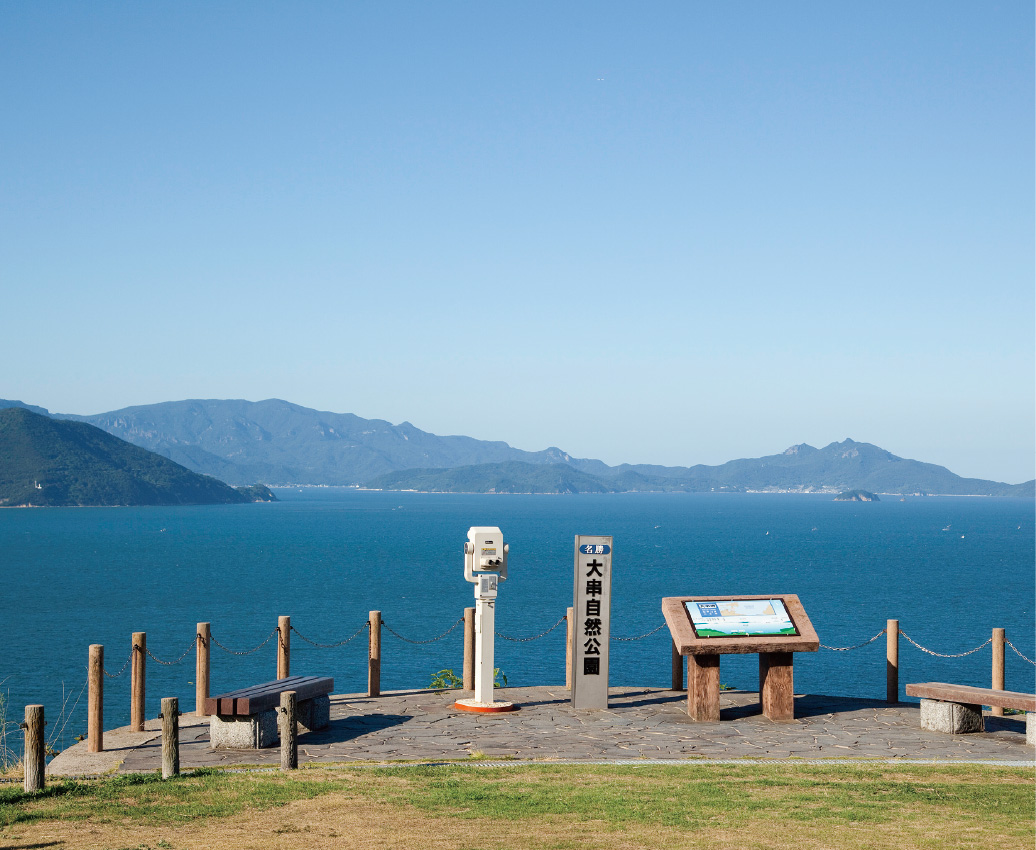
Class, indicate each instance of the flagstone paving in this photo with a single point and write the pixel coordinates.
(640, 723)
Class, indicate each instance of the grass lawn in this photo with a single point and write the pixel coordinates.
(543, 806)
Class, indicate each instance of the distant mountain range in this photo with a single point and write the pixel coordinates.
(52, 462)
(281, 443)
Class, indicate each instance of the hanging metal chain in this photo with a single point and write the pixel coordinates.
(186, 652)
(640, 637)
(432, 640)
(1018, 652)
(534, 637)
(942, 655)
(332, 645)
(269, 637)
(847, 648)
(123, 670)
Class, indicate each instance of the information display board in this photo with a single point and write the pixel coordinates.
(740, 618)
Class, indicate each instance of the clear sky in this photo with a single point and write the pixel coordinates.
(668, 233)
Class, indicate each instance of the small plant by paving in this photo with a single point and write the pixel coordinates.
(446, 679)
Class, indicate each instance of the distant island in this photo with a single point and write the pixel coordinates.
(285, 444)
(46, 462)
(856, 496)
(257, 493)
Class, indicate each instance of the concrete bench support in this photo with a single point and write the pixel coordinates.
(952, 718)
(259, 731)
(957, 709)
(247, 718)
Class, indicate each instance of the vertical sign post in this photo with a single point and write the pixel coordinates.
(593, 598)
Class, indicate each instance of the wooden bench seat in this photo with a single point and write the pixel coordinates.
(957, 709)
(245, 701)
(247, 717)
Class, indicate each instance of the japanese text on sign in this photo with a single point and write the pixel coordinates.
(592, 608)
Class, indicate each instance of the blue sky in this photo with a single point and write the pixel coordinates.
(664, 233)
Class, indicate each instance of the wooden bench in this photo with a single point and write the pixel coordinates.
(247, 718)
(957, 709)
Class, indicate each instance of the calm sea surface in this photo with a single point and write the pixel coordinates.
(950, 569)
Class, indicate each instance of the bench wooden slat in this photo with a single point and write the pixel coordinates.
(257, 698)
(269, 687)
(969, 695)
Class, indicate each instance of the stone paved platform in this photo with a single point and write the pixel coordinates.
(641, 723)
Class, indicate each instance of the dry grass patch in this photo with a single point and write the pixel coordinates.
(554, 808)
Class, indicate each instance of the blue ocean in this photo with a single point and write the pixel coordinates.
(949, 569)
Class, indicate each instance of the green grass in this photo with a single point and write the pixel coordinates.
(686, 796)
(694, 796)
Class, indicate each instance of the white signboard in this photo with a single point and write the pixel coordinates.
(740, 618)
(592, 611)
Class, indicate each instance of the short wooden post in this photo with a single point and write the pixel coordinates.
(374, 656)
(201, 668)
(999, 636)
(703, 688)
(35, 751)
(139, 650)
(289, 731)
(892, 661)
(170, 737)
(95, 700)
(283, 647)
(570, 638)
(677, 668)
(777, 685)
(469, 649)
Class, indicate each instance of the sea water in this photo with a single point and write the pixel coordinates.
(950, 569)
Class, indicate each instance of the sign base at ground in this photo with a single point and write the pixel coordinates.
(484, 707)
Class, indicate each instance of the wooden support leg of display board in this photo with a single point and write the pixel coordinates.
(703, 688)
(777, 685)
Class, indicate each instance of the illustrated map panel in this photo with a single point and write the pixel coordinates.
(740, 618)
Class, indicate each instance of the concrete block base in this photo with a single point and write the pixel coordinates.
(254, 732)
(1030, 729)
(258, 731)
(951, 717)
(313, 714)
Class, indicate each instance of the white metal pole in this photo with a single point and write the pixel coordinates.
(484, 629)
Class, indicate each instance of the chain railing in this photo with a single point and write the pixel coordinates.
(124, 667)
(640, 637)
(945, 655)
(186, 652)
(431, 640)
(534, 637)
(1018, 652)
(269, 637)
(857, 646)
(333, 645)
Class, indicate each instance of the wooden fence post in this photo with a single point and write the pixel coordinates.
(95, 700)
(201, 669)
(999, 636)
(283, 647)
(570, 636)
(289, 731)
(139, 648)
(677, 669)
(469, 649)
(892, 661)
(35, 751)
(374, 656)
(170, 737)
